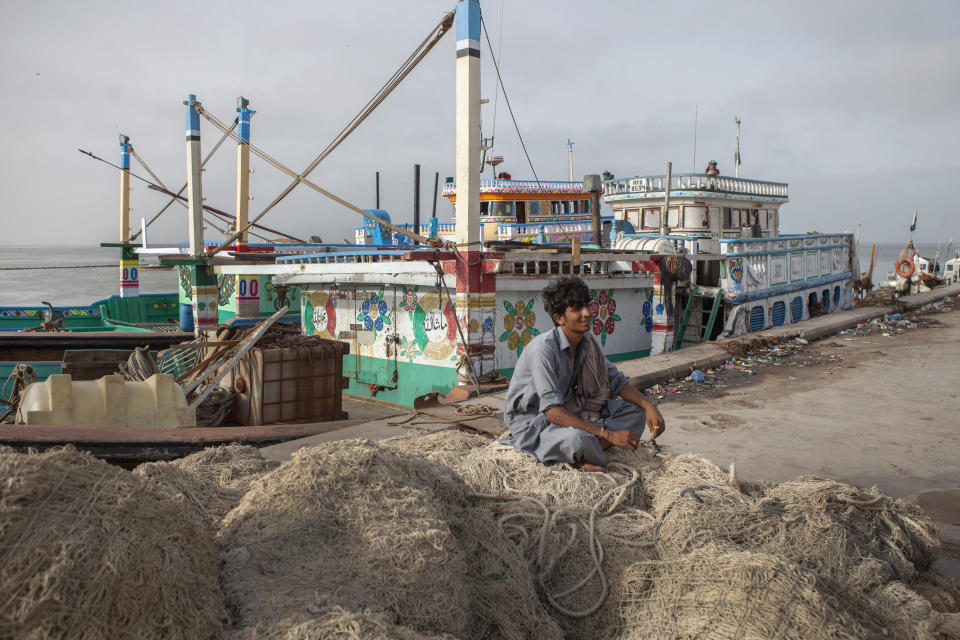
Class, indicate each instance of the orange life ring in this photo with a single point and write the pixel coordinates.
(905, 272)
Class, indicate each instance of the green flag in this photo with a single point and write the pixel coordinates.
(913, 226)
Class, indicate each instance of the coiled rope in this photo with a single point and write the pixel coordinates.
(22, 376)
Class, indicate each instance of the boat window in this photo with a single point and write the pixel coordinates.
(695, 217)
(651, 218)
(521, 212)
(673, 218)
(567, 206)
(484, 208)
(499, 208)
(533, 208)
(555, 207)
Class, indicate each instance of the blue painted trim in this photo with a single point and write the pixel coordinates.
(468, 24)
(125, 156)
(790, 288)
(193, 118)
(243, 124)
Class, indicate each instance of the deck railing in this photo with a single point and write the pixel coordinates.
(695, 182)
(521, 186)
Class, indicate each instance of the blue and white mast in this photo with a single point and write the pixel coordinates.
(194, 189)
(244, 113)
(129, 262)
(468, 124)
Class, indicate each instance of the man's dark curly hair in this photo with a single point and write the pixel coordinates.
(564, 292)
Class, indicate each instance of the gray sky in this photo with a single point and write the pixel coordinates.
(854, 103)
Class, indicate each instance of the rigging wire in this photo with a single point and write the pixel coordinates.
(175, 196)
(497, 88)
(183, 188)
(153, 175)
(507, 100)
(408, 65)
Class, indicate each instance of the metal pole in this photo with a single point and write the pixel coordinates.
(129, 260)
(436, 184)
(194, 189)
(243, 170)
(377, 189)
(664, 229)
(570, 147)
(416, 198)
(696, 113)
(593, 185)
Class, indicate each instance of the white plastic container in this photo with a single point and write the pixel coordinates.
(112, 402)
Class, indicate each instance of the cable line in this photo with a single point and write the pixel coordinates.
(408, 65)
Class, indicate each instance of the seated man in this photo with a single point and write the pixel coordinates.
(559, 405)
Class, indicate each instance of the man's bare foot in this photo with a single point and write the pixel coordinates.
(593, 468)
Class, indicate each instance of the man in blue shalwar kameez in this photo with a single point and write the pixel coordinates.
(562, 404)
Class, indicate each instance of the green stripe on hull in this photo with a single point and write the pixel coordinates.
(413, 381)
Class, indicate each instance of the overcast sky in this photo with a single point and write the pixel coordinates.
(853, 103)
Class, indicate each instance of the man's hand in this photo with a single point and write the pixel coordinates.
(654, 421)
(625, 438)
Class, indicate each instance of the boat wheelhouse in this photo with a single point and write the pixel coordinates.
(744, 274)
(530, 211)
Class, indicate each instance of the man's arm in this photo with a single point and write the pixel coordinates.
(561, 417)
(655, 420)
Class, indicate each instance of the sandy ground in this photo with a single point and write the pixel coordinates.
(867, 409)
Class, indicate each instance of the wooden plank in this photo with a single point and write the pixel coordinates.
(208, 436)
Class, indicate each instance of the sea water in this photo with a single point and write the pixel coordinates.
(69, 275)
(79, 275)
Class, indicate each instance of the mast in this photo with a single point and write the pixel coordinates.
(468, 124)
(203, 280)
(129, 261)
(570, 148)
(736, 151)
(194, 190)
(243, 169)
(664, 229)
(471, 304)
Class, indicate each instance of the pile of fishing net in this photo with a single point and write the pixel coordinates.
(577, 531)
(92, 551)
(810, 558)
(350, 535)
(212, 481)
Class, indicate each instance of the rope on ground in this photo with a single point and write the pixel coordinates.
(22, 376)
(605, 506)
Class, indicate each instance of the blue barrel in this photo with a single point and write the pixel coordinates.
(186, 317)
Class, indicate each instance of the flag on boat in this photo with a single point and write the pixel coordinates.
(913, 226)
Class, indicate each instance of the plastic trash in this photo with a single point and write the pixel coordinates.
(698, 376)
(801, 341)
(895, 317)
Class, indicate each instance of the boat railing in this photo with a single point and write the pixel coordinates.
(521, 186)
(695, 182)
(344, 257)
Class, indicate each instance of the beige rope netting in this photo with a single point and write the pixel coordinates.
(807, 558)
(447, 535)
(577, 531)
(353, 525)
(88, 550)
